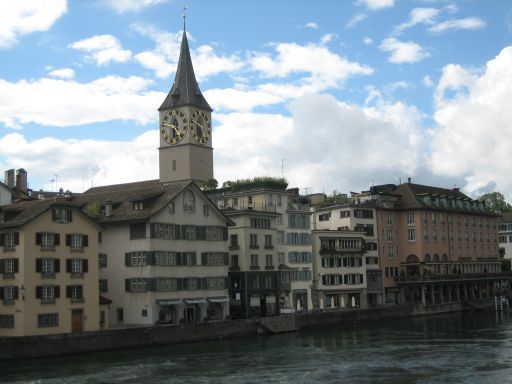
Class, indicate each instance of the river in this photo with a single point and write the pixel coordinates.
(471, 347)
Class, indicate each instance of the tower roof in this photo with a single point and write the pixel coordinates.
(185, 90)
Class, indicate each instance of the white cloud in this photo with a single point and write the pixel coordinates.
(80, 163)
(474, 121)
(163, 58)
(456, 24)
(418, 16)
(63, 73)
(327, 143)
(103, 49)
(427, 81)
(311, 25)
(121, 6)
(377, 4)
(356, 20)
(64, 103)
(368, 41)
(18, 18)
(403, 52)
(327, 38)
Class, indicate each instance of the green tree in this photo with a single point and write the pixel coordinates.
(210, 185)
(496, 202)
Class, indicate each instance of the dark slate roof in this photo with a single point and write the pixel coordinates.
(22, 211)
(154, 195)
(506, 216)
(185, 90)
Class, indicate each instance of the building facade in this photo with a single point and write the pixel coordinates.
(505, 235)
(48, 269)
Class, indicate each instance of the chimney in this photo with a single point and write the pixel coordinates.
(9, 178)
(409, 180)
(21, 180)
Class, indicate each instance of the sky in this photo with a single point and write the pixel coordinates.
(332, 95)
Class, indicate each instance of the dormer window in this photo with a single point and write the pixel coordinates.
(138, 205)
(61, 215)
(189, 204)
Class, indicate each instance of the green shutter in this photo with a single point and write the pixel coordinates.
(127, 259)
(152, 230)
(127, 285)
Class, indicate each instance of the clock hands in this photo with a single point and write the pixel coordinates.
(200, 126)
(173, 127)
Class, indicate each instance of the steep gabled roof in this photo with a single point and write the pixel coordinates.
(185, 90)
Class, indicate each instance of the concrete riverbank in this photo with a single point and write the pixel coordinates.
(136, 337)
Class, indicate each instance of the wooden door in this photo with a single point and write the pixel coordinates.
(76, 320)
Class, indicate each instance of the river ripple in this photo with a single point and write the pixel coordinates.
(457, 348)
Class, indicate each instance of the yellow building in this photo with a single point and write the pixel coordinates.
(48, 269)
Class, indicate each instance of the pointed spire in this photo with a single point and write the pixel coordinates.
(185, 90)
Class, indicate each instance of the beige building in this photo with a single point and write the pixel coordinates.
(48, 269)
(360, 218)
(273, 233)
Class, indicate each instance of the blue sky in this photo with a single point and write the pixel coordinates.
(330, 94)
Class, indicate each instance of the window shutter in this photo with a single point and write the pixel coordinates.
(56, 291)
(177, 231)
(69, 216)
(194, 259)
(38, 291)
(203, 284)
(39, 237)
(2, 262)
(16, 293)
(226, 258)
(56, 265)
(1, 293)
(224, 233)
(178, 258)
(38, 265)
(16, 238)
(203, 258)
(68, 291)
(2, 239)
(180, 283)
(127, 285)
(150, 258)
(127, 260)
(56, 238)
(85, 265)
(54, 214)
(85, 240)
(152, 230)
(68, 265)
(68, 240)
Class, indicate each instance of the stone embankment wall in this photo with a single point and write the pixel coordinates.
(127, 338)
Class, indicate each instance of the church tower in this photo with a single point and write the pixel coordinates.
(185, 151)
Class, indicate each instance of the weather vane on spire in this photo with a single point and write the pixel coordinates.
(184, 15)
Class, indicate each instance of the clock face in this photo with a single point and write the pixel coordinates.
(174, 126)
(200, 127)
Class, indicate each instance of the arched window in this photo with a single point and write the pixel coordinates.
(412, 259)
(436, 258)
(444, 257)
(427, 258)
(189, 202)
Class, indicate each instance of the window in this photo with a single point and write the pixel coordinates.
(332, 279)
(47, 293)
(214, 258)
(425, 234)
(191, 283)
(249, 200)
(48, 320)
(235, 201)
(76, 267)
(102, 260)
(166, 284)
(391, 252)
(260, 223)
(344, 214)
(411, 234)
(324, 216)
(47, 240)
(137, 285)
(371, 246)
(372, 260)
(6, 321)
(269, 260)
(268, 242)
(299, 238)
(9, 240)
(164, 231)
(353, 278)
(8, 294)
(280, 237)
(9, 267)
(410, 218)
(206, 210)
(234, 261)
(137, 231)
(391, 271)
(190, 232)
(390, 235)
(77, 242)
(47, 266)
(363, 213)
(189, 202)
(280, 258)
(253, 241)
(389, 218)
(352, 262)
(233, 242)
(61, 215)
(138, 205)
(299, 257)
(103, 285)
(171, 208)
(298, 221)
(279, 219)
(216, 283)
(75, 293)
(279, 200)
(254, 261)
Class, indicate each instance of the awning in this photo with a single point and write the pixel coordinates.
(194, 301)
(218, 299)
(169, 302)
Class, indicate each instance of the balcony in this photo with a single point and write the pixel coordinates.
(269, 267)
(234, 268)
(452, 277)
(254, 267)
(234, 247)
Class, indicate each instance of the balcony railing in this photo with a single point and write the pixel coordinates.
(452, 277)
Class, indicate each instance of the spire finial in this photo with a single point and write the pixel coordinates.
(184, 15)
